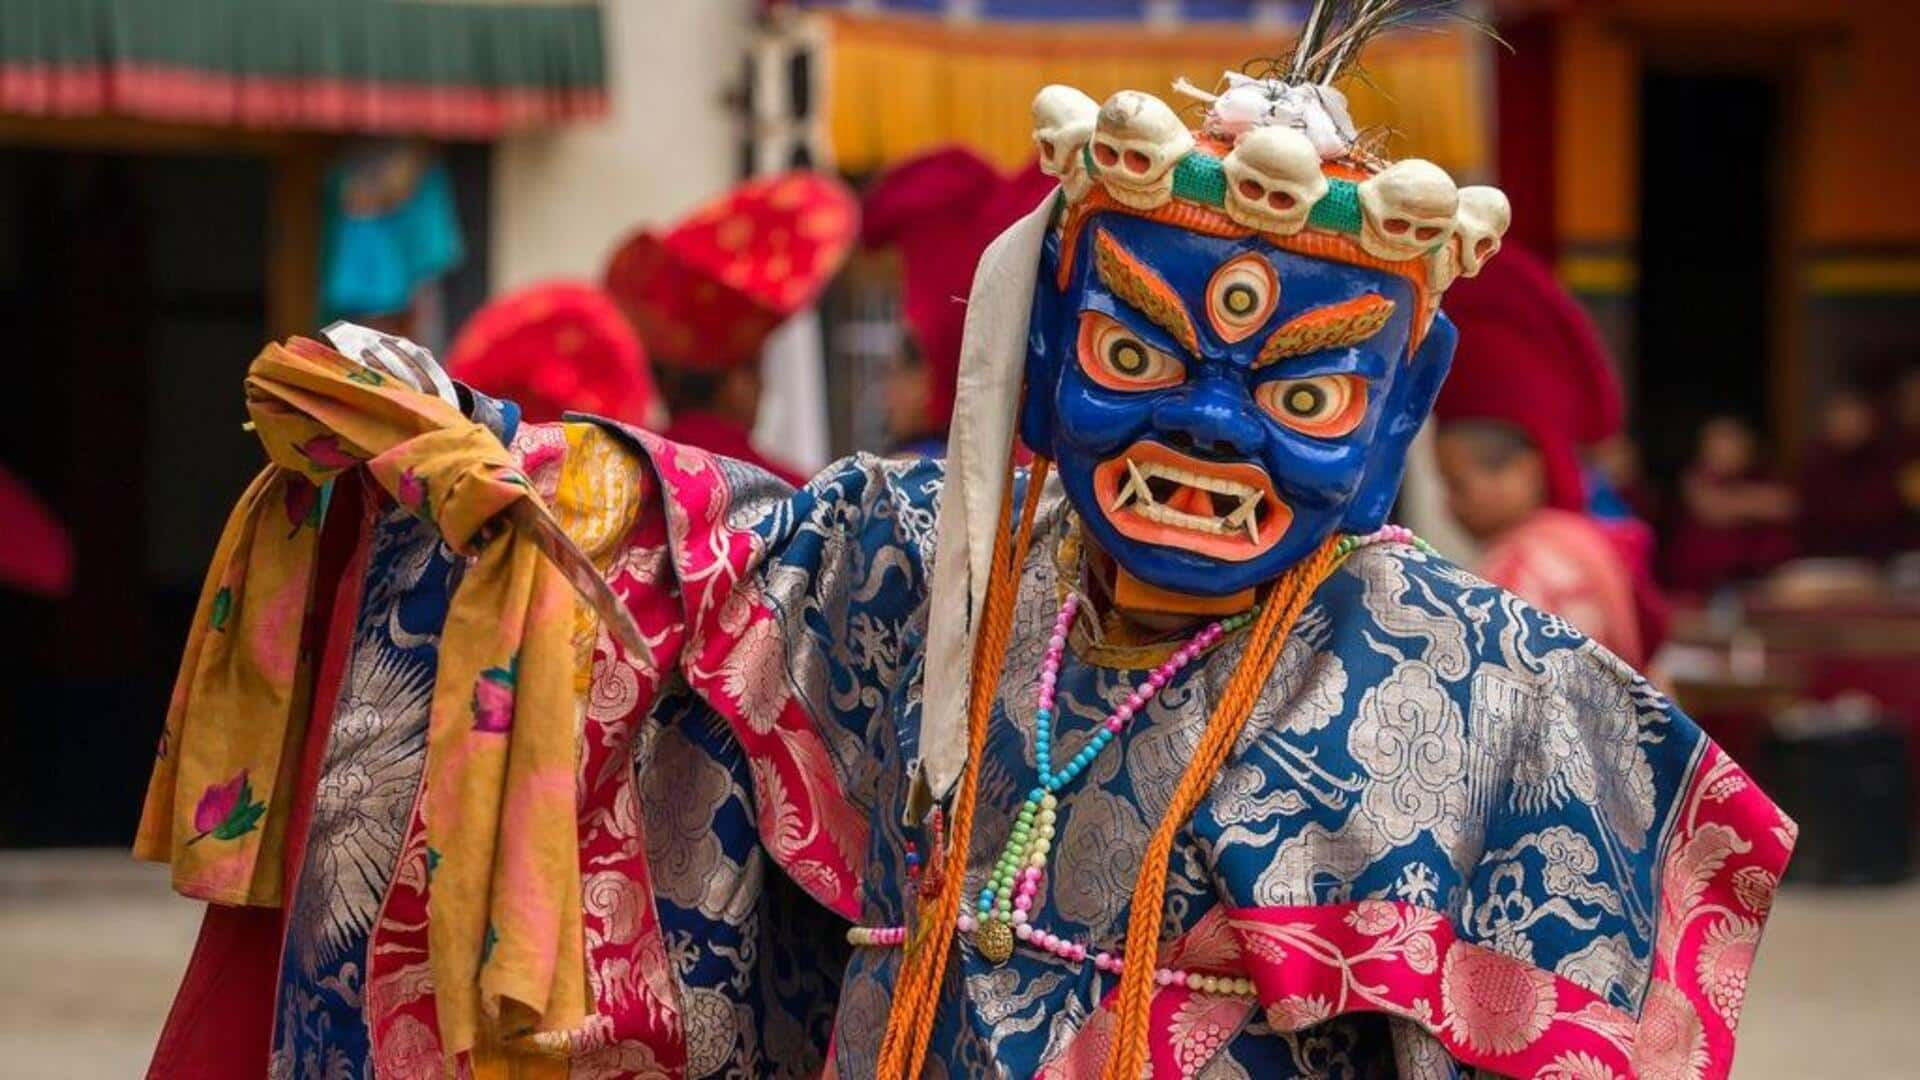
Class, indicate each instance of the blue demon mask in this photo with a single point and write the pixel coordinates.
(1218, 405)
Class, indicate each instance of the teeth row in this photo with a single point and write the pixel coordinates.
(1196, 480)
(1141, 498)
(1167, 515)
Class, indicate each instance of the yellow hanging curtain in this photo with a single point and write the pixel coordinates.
(898, 85)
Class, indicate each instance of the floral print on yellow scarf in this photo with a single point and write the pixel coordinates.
(504, 909)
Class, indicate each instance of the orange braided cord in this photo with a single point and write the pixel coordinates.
(1128, 1058)
(916, 993)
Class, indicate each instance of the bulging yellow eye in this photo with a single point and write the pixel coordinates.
(1324, 406)
(1117, 359)
(1241, 296)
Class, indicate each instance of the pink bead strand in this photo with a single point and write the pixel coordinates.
(1072, 952)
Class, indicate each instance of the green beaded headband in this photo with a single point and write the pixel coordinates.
(1200, 178)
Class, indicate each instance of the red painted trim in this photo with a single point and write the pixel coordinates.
(190, 95)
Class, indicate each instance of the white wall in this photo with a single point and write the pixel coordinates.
(563, 199)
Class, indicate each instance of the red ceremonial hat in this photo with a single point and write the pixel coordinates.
(1530, 356)
(35, 552)
(707, 292)
(556, 347)
(940, 210)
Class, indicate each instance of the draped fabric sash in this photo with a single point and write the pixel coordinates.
(504, 914)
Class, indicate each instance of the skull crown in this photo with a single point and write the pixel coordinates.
(1268, 170)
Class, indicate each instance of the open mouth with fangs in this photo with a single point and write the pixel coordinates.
(1222, 510)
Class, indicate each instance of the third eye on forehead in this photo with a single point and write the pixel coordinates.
(1241, 295)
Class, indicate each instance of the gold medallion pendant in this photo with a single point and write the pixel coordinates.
(994, 939)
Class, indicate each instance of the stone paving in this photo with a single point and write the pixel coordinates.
(93, 944)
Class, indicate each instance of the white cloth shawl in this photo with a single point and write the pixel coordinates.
(993, 356)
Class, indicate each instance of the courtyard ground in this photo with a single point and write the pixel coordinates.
(93, 944)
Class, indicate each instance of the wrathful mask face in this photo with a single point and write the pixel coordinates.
(1218, 406)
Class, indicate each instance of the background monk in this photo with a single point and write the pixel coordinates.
(1735, 522)
(706, 293)
(938, 212)
(1850, 504)
(1531, 386)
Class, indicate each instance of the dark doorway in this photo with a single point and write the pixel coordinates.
(132, 296)
(1707, 257)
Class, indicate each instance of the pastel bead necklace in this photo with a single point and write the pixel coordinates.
(1069, 951)
(1005, 905)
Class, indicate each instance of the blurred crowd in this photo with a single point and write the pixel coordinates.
(1738, 512)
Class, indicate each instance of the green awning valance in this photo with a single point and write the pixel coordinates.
(445, 68)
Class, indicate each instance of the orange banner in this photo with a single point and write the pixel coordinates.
(898, 85)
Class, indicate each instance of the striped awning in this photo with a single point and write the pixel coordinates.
(1080, 10)
(444, 68)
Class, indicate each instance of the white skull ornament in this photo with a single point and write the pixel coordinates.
(1407, 209)
(1137, 140)
(1273, 179)
(1484, 217)
(1063, 120)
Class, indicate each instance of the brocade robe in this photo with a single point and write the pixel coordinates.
(1455, 834)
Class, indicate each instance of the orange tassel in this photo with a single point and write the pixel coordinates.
(916, 992)
(1265, 639)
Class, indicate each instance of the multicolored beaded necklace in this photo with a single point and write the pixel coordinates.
(1005, 905)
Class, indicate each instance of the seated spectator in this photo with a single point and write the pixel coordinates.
(1531, 385)
(910, 433)
(1560, 560)
(1850, 504)
(939, 211)
(1735, 521)
(557, 347)
(1617, 489)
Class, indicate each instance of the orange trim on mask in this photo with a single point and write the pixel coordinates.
(1118, 488)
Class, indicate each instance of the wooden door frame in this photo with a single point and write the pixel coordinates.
(297, 164)
(1782, 57)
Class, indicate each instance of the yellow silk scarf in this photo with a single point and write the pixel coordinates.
(504, 929)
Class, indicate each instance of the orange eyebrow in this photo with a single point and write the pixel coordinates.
(1334, 326)
(1130, 279)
